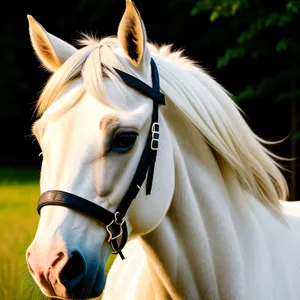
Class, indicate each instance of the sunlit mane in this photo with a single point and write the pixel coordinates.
(197, 95)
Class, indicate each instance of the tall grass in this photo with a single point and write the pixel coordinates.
(18, 222)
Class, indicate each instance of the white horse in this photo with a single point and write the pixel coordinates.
(213, 226)
(131, 279)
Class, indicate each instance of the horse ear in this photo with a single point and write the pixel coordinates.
(51, 51)
(133, 38)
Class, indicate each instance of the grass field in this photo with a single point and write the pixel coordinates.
(19, 192)
(18, 221)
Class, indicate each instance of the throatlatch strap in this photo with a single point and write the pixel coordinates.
(155, 134)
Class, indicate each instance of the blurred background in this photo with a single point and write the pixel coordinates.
(251, 47)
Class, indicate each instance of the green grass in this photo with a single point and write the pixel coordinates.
(18, 222)
(19, 192)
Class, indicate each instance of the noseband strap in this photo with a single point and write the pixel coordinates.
(115, 222)
(116, 227)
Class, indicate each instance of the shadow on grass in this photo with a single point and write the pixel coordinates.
(11, 176)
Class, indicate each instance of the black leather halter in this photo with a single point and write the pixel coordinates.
(115, 222)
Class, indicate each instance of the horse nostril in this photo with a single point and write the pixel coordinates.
(59, 257)
(73, 272)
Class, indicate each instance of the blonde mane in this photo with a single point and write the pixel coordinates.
(199, 98)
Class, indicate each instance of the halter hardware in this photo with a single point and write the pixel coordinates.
(115, 223)
(155, 136)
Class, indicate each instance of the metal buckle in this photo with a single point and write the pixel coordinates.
(155, 130)
(119, 223)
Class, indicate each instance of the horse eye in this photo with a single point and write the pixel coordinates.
(41, 154)
(124, 141)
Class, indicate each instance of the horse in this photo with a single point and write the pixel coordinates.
(139, 143)
(128, 279)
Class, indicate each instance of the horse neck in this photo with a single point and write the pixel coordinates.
(201, 242)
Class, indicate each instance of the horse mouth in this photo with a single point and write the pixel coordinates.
(76, 297)
(55, 297)
(80, 295)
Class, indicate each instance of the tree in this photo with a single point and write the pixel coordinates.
(267, 32)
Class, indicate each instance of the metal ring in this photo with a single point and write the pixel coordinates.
(116, 218)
